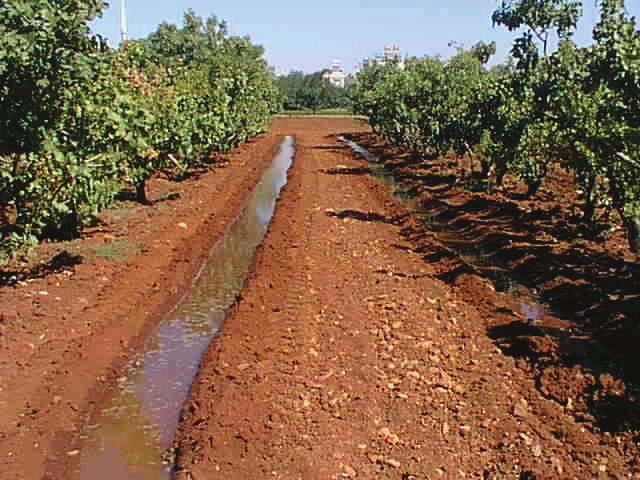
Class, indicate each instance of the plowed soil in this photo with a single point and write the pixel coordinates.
(68, 322)
(361, 346)
(353, 355)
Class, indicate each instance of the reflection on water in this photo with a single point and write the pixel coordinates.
(532, 312)
(378, 170)
(464, 244)
(131, 430)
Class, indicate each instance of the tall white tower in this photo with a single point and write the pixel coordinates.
(123, 22)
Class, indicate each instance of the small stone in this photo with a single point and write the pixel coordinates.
(464, 429)
(73, 453)
(521, 409)
(243, 366)
(393, 463)
(536, 450)
(527, 439)
(389, 437)
(183, 225)
(349, 472)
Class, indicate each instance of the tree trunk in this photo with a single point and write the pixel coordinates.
(141, 192)
(500, 173)
(485, 166)
(461, 169)
(589, 210)
(533, 185)
(631, 223)
(469, 152)
(633, 233)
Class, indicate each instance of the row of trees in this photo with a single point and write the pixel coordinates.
(79, 121)
(311, 92)
(576, 106)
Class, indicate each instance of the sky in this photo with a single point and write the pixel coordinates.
(309, 35)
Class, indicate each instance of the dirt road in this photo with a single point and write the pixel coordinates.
(347, 357)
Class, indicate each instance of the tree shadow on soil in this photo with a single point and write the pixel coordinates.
(330, 148)
(366, 216)
(409, 276)
(347, 171)
(537, 244)
(427, 179)
(57, 264)
(598, 293)
(129, 195)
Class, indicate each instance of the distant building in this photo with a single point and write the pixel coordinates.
(350, 80)
(391, 56)
(335, 75)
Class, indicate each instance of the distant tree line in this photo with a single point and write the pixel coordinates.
(302, 91)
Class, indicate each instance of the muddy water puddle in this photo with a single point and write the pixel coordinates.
(463, 242)
(132, 430)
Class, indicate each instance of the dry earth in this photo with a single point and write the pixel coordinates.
(68, 323)
(348, 355)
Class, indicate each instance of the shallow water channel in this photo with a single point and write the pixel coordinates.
(531, 307)
(135, 425)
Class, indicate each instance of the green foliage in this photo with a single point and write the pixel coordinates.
(431, 105)
(312, 92)
(539, 17)
(576, 106)
(483, 51)
(45, 49)
(79, 120)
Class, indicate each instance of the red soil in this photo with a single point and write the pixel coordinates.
(67, 324)
(352, 355)
(361, 346)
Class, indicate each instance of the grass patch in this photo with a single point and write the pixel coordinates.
(116, 251)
